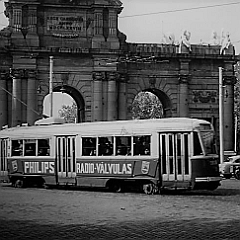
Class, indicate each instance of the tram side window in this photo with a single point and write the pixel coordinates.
(197, 149)
(89, 146)
(17, 147)
(123, 146)
(142, 145)
(29, 147)
(43, 147)
(105, 146)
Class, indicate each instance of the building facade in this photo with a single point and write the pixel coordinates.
(100, 70)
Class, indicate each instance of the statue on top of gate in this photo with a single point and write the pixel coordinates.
(185, 45)
(226, 44)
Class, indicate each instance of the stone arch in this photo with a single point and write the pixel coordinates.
(164, 99)
(77, 97)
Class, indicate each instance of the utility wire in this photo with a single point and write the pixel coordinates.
(162, 12)
(19, 100)
(180, 10)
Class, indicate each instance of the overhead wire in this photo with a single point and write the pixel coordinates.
(171, 11)
(168, 11)
(180, 10)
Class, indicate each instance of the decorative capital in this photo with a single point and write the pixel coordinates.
(229, 80)
(112, 76)
(184, 78)
(98, 76)
(4, 74)
(18, 73)
(123, 77)
(31, 73)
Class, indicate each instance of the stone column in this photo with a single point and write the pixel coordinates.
(16, 98)
(112, 96)
(32, 19)
(228, 109)
(17, 19)
(98, 29)
(31, 31)
(97, 114)
(112, 31)
(3, 99)
(183, 96)
(31, 97)
(122, 100)
(184, 78)
(24, 96)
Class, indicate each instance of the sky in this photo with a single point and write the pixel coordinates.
(59, 99)
(146, 21)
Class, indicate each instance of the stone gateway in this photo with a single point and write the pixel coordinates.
(100, 70)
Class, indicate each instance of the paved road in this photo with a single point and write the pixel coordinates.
(64, 214)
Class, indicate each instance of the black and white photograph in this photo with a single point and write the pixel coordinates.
(119, 119)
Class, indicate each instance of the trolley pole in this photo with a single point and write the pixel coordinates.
(221, 115)
(51, 86)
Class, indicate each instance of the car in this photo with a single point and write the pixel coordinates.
(230, 167)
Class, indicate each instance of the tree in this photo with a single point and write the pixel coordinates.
(69, 112)
(146, 105)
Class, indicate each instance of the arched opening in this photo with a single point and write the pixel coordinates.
(68, 96)
(164, 99)
(151, 103)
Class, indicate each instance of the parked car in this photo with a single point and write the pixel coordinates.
(230, 167)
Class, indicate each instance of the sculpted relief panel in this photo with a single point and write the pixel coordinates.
(204, 96)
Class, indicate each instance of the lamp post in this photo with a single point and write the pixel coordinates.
(51, 86)
(221, 115)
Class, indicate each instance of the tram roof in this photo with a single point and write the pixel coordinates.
(121, 127)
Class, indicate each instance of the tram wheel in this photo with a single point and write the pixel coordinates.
(115, 186)
(19, 183)
(237, 174)
(149, 188)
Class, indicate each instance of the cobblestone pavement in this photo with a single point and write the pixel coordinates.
(190, 229)
(102, 215)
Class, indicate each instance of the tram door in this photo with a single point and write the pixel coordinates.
(65, 159)
(3, 159)
(174, 156)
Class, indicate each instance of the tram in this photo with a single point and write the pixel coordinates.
(153, 154)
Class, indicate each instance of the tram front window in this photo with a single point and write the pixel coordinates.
(209, 143)
(197, 149)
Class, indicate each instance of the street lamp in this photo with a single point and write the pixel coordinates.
(51, 86)
(221, 115)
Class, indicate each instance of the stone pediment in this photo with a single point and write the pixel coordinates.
(116, 3)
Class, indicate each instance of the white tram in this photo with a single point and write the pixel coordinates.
(150, 154)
